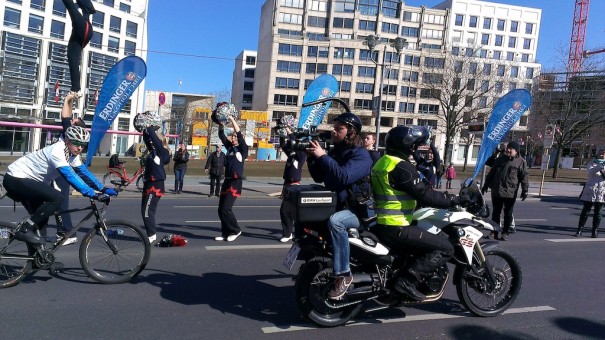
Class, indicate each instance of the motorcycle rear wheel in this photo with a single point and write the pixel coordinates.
(475, 294)
(312, 285)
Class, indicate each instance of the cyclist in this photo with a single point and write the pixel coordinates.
(29, 180)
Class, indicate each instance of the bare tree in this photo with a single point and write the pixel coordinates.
(465, 87)
(574, 103)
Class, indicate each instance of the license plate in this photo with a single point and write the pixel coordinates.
(292, 256)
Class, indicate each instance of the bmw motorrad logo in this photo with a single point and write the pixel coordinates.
(368, 241)
(461, 232)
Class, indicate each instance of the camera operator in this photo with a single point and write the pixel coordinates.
(340, 170)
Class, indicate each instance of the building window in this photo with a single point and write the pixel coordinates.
(499, 40)
(364, 88)
(59, 8)
(411, 76)
(249, 86)
(500, 25)
(413, 32)
(484, 39)
(344, 53)
(285, 99)
(96, 40)
(288, 66)
(512, 42)
(459, 20)
(525, 57)
(514, 71)
(98, 19)
(389, 8)
(108, 3)
(345, 70)
(487, 23)
(124, 7)
(343, 23)
(368, 55)
(316, 68)
(313, 21)
(250, 60)
(406, 107)
(497, 55)
(12, 17)
(514, 26)
(526, 44)
(484, 85)
(315, 5)
(57, 29)
(390, 28)
(409, 92)
(318, 51)
(499, 87)
(247, 99)
(362, 104)
(473, 21)
(428, 109)
(434, 62)
(366, 25)
(131, 29)
(113, 45)
(130, 47)
(286, 83)
(366, 72)
(291, 3)
(287, 49)
(529, 73)
(411, 16)
(114, 24)
(123, 124)
(487, 69)
(368, 7)
(36, 23)
(38, 4)
(345, 86)
(288, 18)
(510, 56)
(500, 70)
(344, 6)
(470, 84)
(472, 68)
(249, 73)
(529, 28)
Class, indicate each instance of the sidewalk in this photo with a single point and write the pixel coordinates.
(260, 187)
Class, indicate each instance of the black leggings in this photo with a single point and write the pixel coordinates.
(508, 204)
(81, 34)
(152, 192)
(41, 200)
(596, 217)
(230, 191)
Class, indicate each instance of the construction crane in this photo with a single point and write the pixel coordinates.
(578, 37)
(588, 53)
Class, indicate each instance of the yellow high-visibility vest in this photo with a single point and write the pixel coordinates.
(393, 207)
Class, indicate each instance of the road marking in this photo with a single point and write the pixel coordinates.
(575, 239)
(250, 247)
(214, 206)
(559, 208)
(239, 221)
(530, 219)
(422, 317)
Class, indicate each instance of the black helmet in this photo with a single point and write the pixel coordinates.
(403, 140)
(350, 119)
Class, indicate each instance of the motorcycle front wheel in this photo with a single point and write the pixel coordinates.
(476, 290)
(312, 285)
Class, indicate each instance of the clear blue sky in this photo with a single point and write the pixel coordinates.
(197, 40)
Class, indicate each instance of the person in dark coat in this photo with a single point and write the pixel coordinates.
(181, 157)
(215, 167)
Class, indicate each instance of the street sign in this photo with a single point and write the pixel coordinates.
(162, 98)
(549, 136)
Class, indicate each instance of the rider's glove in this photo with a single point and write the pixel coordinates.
(103, 198)
(523, 195)
(110, 191)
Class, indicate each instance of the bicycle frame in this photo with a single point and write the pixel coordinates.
(123, 175)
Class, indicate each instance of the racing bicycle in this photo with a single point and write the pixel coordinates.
(112, 251)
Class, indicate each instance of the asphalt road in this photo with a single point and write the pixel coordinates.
(237, 290)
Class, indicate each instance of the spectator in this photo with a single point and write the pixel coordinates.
(593, 194)
(450, 174)
(181, 157)
(428, 165)
(215, 167)
(368, 142)
(439, 174)
(508, 172)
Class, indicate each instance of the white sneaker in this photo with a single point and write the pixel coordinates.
(70, 240)
(232, 238)
(285, 239)
(219, 238)
(152, 238)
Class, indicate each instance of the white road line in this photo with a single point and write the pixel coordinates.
(559, 208)
(422, 317)
(214, 206)
(530, 219)
(239, 221)
(250, 247)
(575, 239)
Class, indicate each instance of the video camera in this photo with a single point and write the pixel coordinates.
(303, 139)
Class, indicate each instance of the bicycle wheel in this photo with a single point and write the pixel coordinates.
(140, 183)
(126, 260)
(2, 190)
(14, 262)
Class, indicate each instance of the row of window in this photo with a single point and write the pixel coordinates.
(487, 39)
(501, 24)
(496, 55)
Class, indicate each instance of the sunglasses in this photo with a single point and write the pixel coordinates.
(76, 143)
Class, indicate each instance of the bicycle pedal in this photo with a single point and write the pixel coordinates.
(57, 267)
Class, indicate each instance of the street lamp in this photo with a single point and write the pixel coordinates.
(398, 44)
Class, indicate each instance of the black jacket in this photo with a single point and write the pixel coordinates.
(216, 164)
(506, 175)
(157, 157)
(236, 155)
(180, 159)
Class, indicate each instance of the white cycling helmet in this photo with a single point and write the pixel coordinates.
(77, 134)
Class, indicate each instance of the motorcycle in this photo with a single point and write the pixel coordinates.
(487, 277)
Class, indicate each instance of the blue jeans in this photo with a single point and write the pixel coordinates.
(338, 224)
(179, 176)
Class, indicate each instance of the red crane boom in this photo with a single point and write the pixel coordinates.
(578, 36)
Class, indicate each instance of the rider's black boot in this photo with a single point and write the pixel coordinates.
(26, 233)
(407, 285)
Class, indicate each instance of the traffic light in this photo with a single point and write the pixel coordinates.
(476, 127)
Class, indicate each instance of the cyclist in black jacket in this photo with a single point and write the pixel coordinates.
(237, 152)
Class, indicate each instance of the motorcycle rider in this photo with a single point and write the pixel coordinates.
(341, 170)
(397, 190)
